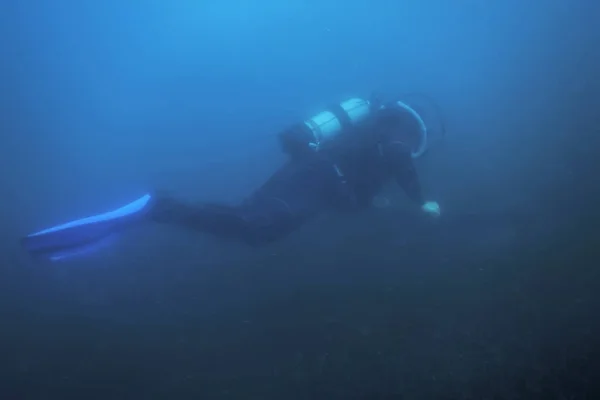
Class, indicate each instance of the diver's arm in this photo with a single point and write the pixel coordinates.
(399, 158)
(400, 162)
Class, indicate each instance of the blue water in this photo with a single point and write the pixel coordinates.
(103, 101)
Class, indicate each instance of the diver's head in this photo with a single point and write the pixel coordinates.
(402, 125)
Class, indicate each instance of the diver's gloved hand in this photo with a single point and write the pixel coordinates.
(431, 208)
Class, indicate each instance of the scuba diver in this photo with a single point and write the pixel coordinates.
(337, 160)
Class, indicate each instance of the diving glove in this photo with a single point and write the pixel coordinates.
(432, 208)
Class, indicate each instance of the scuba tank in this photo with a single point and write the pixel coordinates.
(327, 129)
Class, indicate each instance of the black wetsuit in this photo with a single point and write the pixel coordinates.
(307, 185)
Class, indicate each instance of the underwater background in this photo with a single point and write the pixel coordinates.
(105, 100)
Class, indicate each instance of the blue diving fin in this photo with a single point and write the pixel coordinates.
(85, 235)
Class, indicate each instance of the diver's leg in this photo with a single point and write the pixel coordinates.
(295, 193)
(292, 195)
(255, 223)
